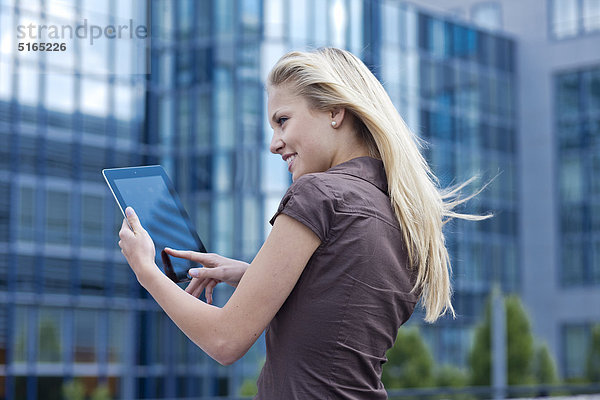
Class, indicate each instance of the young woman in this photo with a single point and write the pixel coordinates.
(356, 241)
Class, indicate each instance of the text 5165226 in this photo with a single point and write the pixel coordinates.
(42, 46)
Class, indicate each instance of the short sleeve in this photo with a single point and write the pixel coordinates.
(309, 201)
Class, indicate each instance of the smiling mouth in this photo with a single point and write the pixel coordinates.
(290, 160)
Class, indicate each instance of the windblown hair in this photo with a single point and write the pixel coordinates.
(330, 79)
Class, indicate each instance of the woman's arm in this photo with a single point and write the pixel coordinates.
(227, 333)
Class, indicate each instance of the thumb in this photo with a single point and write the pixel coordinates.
(133, 219)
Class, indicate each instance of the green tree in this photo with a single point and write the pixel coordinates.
(480, 356)
(544, 368)
(520, 350)
(101, 392)
(410, 363)
(593, 357)
(519, 343)
(248, 388)
(451, 376)
(74, 390)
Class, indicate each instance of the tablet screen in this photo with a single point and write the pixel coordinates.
(159, 211)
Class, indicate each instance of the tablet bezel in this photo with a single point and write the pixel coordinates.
(112, 174)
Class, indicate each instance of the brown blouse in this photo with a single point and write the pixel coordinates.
(329, 339)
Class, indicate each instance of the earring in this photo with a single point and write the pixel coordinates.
(333, 123)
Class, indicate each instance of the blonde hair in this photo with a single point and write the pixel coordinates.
(330, 79)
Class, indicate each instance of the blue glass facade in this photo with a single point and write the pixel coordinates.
(455, 86)
(71, 308)
(578, 144)
(556, 97)
(577, 132)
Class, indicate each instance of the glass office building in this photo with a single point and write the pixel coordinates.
(578, 157)
(558, 128)
(71, 308)
(578, 137)
(455, 86)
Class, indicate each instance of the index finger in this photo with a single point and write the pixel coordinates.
(195, 256)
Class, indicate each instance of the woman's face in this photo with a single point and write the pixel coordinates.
(302, 136)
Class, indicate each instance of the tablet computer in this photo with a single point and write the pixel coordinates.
(152, 195)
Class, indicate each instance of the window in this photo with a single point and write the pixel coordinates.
(251, 113)
(203, 213)
(564, 18)
(26, 274)
(567, 94)
(251, 237)
(63, 84)
(92, 277)
(570, 18)
(4, 265)
(339, 17)
(5, 76)
(49, 335)
(117, 334)
(162, 17)
(28, 84)
(20, 334)
(123, 280)
(203, 112)
(93, 159)
(487, 15)
(591, 89)
(356, 26)
(595, 273)
(576, 339)
(223, 221)
(273, 18)
(4, 326)
(250, 16)
(92, 218)
(184, 115)
(94, 97)
(298, 20)
(184, 63)
(432, 35)
(591, 15)
(225, 103)
(59, 158)
(57, 217)
(4, 211)
(57, 276)
(123, 100)
(225, 17)
(571, 179)
(572, 263)
(224, 166)
(185, 13)
(86, 330)
(595, 179)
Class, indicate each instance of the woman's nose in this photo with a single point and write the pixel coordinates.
(276, 144)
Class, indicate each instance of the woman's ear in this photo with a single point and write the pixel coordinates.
(337, 117)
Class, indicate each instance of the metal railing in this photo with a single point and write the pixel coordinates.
(489, 392)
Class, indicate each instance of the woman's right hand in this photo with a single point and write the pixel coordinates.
(216, 269)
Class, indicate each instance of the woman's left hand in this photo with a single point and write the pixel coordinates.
(136, 245)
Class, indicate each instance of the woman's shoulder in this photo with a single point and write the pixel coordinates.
(321, 185)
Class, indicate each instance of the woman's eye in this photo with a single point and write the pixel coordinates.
(282, 120)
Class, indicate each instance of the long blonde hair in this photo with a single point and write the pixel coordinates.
(330, 79)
